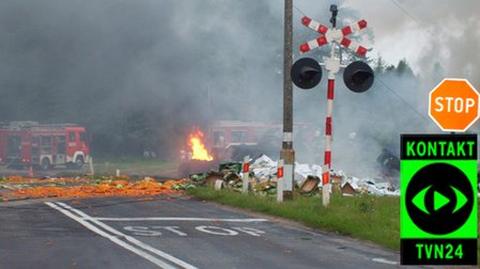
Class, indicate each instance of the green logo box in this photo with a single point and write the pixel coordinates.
(438, 202)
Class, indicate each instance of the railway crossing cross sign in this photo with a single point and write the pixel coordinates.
(453, 105)
(306, 73)
(438, 203)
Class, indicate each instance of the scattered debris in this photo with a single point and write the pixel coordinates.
(310, 185)
(347, 189)
(232, 167)
(370, 186)
(27, 188)
(212, 177)
(263, 179)
(219, 184)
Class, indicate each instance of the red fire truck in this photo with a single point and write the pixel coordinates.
(25, 144)
(232, 140)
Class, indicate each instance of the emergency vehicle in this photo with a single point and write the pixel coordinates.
(44, 146)
(232, 140)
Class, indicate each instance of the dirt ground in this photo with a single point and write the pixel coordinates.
(132, 168)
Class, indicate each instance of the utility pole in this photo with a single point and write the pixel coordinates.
(287, 153)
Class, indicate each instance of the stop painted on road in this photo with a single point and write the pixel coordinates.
(205, 229)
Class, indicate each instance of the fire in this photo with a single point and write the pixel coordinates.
(197, 146)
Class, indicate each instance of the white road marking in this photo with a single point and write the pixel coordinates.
(216, 230)
(154, 230)
(382, 260)
(180, 219)
(132, 240)
(142, 231)
(112, 238)
(173, 229)
(250, 231)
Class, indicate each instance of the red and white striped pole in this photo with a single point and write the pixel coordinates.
(246, 173)
(328, 123)
(332, 65)
(280, 181)
(328, 140)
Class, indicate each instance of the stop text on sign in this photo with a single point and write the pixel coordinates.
(454, 104)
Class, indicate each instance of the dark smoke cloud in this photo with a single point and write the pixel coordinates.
(140, 74)
(167, 64)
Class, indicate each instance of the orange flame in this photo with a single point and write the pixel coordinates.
(197, 146)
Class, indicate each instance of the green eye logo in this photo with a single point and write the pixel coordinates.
(439, 200)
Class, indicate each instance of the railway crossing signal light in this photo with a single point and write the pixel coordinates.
(358, 76)
(306, 73)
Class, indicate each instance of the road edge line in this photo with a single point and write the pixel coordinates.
(384, 261)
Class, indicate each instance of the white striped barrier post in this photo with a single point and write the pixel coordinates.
(90, 164)
(30, 171)
(246, 173)
(329, 124)
(325, 186)
(280, 181)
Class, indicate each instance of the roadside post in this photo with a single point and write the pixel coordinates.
(325, 185)
(246, 173)
(306, 73)
(288, 153)
(30, 171)
(280, 175)
(438, 182)
(90, 165)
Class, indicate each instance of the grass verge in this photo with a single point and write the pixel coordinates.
(366, 217)
(150, 167)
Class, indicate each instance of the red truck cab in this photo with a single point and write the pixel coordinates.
(24, 144)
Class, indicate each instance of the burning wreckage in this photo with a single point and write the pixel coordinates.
(263, 179)
(204, 168)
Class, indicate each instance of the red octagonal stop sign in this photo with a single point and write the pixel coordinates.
(453, 105)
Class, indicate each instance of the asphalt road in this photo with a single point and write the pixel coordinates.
(167, 233)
